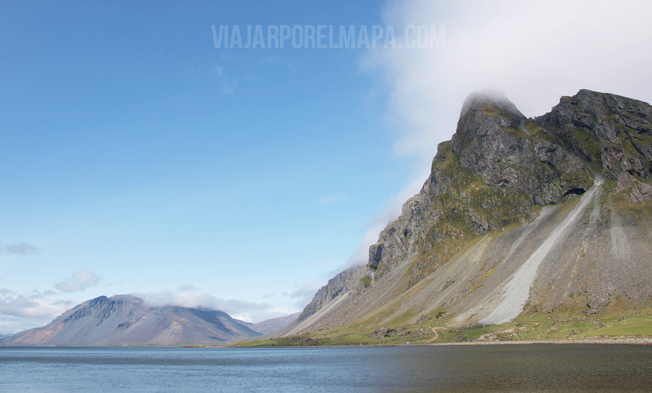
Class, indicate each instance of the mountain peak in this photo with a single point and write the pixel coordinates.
(490, 99)
(126, 319)
(558, 198)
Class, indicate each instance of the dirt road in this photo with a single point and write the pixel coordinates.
(434, 338)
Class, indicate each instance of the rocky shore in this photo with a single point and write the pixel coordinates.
(610, 341)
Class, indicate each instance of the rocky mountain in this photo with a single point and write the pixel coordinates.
(270, 326)
(128, 319)
(518, 215)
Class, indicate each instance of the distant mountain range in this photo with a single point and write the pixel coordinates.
(269, 326)
(519, 215)
(128, 320)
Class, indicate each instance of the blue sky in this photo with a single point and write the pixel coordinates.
(135, 157)
(134, 150)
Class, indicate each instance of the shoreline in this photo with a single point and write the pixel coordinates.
(599, 341)
(605, 341)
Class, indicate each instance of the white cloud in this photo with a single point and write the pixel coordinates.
(534, 52)
(79, 282)
(188, 296)
(10, 324)
(305, 292)
(20, 312)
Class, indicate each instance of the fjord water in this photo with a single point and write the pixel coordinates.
(576, 368)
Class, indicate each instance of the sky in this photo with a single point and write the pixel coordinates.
(138, 156)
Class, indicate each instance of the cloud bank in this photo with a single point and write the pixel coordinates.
(19, 312)
(188, 296)
(534, 52)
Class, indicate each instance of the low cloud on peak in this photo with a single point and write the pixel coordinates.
(189, 296)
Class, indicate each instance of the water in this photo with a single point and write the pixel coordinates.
(576, 368)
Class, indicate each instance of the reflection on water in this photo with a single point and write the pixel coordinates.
(576, 368)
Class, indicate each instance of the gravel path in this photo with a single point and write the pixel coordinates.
(434, 330)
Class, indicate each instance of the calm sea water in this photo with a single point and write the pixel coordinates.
(528, 368)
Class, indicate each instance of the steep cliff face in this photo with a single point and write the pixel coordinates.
(350, 280)
(498, 167)
(590, 156)
(612, 134)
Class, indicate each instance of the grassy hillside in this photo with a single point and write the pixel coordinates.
(532, 325)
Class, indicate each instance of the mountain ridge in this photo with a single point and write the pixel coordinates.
(129, 320)
(504, 179)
